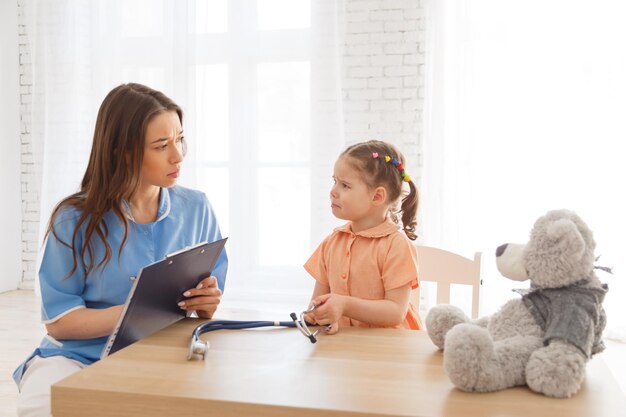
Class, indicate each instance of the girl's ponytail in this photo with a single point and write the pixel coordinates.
(409, 211)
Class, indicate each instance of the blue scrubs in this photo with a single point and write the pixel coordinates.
(184, 218)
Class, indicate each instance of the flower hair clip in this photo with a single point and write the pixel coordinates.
(405, 177)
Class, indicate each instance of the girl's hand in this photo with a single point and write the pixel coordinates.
(204, 299)
(332, 328)
(308, 318)
(329, 309)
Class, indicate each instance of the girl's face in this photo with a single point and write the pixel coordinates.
(350, 197)
(163, 152)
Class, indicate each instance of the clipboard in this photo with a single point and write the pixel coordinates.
(152, 303)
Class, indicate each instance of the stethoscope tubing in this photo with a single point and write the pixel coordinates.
(198, 347)
(238, 325)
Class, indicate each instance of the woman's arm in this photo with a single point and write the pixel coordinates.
(388, 312)
(85, 323)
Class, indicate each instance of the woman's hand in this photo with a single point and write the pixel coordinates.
(204, 299)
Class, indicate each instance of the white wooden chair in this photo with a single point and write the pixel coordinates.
(446, 268)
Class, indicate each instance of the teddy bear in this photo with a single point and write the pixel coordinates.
(543, 339)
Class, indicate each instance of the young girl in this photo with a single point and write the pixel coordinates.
(366, 269)
(128, 213)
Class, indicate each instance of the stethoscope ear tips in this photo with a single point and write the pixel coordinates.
(293, 316)
(197, 348)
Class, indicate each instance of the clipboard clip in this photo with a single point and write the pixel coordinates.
(185, 249)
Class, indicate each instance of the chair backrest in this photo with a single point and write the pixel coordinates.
(445, 268)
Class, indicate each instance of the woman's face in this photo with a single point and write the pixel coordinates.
(163, 152)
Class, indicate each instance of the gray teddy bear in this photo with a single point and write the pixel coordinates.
(543, 339)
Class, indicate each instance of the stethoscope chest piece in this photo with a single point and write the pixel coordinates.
(197, 348)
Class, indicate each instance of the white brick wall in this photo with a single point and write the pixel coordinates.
(30, 193)
(11, 209)
(382, 95)
(383, 74)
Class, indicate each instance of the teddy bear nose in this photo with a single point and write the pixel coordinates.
(500, 250)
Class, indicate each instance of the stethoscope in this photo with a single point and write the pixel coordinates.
(199, 347)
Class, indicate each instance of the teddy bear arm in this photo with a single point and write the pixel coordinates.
(556, 370)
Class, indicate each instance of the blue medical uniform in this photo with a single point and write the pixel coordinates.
(184, 218)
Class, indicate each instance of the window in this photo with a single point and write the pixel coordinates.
(242, 72)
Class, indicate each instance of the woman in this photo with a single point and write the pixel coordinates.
(128, 213)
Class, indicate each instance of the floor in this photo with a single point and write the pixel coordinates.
(21, 331)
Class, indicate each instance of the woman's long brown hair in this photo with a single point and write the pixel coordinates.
(114, 168)
(377, 172)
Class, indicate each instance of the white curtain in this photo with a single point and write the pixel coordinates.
(259, 84)
(525, 113)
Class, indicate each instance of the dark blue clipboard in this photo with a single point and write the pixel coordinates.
(152, 303)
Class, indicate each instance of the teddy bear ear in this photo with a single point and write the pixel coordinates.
(564, 233)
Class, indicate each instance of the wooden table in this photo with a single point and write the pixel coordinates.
(278, 372)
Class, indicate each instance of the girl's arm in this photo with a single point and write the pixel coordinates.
(85, 323)
(388, 312)
(320, 289)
